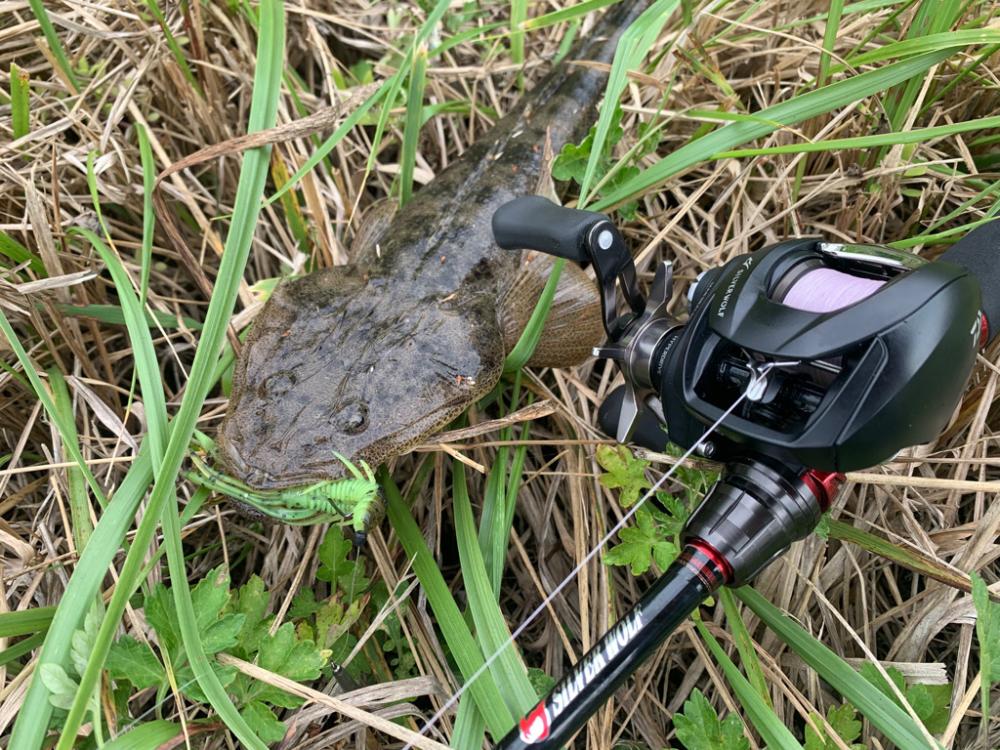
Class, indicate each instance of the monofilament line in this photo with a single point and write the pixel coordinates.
(758, 376)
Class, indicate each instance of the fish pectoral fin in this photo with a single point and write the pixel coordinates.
(573, 327)
(372, 226)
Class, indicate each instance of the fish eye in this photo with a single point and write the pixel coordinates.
(353, 418)
(277, 385)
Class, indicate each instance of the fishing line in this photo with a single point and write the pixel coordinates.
(757, 378)
(170, 696)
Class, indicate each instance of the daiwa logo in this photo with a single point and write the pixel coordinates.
(744, 267)
(535, 726)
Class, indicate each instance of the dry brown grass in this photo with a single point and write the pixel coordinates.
(844, 596)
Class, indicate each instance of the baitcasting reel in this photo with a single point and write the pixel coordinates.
(810, 359)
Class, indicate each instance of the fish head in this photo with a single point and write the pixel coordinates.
(338, 362)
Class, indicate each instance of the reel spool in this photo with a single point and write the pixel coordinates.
(824, 290)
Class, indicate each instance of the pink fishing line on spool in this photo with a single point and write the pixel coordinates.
(825, 290)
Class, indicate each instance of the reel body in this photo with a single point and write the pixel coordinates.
(848, 387)
(797, 362)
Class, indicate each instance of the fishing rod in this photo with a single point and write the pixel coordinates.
(810, 358)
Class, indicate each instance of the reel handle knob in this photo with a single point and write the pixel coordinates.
(647, 430)
(535, 223)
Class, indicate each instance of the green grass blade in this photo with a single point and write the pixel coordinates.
(925, 44)
(143, 352)
(23, 382)
(518, 15)
(761, 715)
(18, 253)
(95, 197)
(149, 735)
(962, 208)
(947, 235)
(499, 506)
(881, 711)
(514, 485)
(829, 40)
(79, 508)
(113, 315)
(470, 727)
(491, 628)
(957, 79)
(532, 332)
(865, 6)
(569, 13)
(330, 143)
(22, 648)
(795, 110)
(65, 430)
(569, 37)
(19, 98)
(919, 135)
(386, 95)
(475, 34)
(85, 582)
(298, 225)
(744, 644)
(147, 369)
(411, 129)
(55, 45)
(500, 502)
(492, 535)
(635, 42)
(986, 629)
(464, 649)
(33, 718)
(148, 214)
(931, 17)
(395, 83)
(25, 622)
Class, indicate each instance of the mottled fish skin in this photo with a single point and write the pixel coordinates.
(367, 361)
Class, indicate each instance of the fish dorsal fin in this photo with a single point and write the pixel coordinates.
(574, 325)
(372, 227)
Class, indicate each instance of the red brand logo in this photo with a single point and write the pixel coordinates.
(535, 726)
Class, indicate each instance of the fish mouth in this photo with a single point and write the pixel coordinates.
(255, 477)
(248, 511)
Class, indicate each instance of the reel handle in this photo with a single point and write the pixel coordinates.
(978, 252)
(647, 431)
(532, 222)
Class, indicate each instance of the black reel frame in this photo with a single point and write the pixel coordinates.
(816, 394)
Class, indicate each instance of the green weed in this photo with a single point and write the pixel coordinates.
(230, 621)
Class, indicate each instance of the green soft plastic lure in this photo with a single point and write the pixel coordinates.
(355, 498)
